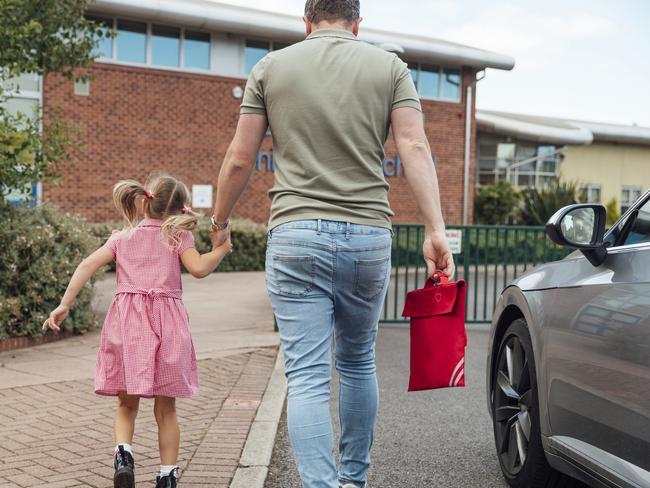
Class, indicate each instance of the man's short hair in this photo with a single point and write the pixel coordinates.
(332, 10)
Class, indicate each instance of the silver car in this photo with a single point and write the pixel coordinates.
(569, 362)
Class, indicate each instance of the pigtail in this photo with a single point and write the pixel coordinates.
(172, 226)
(125, 194)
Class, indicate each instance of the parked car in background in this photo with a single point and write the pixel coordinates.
(569, 362)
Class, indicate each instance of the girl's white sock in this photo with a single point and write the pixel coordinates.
(166, 470)
(127, 448)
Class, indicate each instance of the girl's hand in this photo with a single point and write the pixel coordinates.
(225, 248)
(57, 317)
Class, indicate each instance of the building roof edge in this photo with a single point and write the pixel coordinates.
(260, 23)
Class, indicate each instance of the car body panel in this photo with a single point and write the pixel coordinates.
(590, 329)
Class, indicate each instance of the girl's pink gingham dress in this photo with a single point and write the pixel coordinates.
(146, 348)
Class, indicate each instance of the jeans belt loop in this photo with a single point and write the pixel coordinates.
(347, 231)
(318, 226)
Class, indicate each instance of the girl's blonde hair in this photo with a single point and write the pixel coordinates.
(165, 198)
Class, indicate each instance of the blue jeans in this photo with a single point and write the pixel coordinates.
(329, 279)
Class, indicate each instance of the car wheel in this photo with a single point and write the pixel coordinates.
(515, 415)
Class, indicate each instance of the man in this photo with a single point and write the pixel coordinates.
(329, 102)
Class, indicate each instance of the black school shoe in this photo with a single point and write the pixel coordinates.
(168, 481)
(124, 469)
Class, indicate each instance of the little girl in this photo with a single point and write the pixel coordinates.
(146, 349)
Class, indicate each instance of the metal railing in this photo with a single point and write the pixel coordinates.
(490, 257)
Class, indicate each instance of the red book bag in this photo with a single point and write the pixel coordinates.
(438, 336)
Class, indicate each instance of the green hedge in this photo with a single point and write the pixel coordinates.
(482, 245)
(41, 248)
(248, 239)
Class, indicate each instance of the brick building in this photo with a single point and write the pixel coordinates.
(164, 95)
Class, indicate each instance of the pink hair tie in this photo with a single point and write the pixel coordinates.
(187, 210)
(149, 195)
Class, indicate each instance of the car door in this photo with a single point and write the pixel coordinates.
(597, 348)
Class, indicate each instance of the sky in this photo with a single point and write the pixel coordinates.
(580, 59)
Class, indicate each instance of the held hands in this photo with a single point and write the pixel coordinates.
(55, 319)
(219, 237)
(437, 254)
(221, 241)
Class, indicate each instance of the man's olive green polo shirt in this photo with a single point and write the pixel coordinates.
(328, 101)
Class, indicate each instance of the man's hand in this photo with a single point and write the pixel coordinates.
(437, 254)
(219, 237)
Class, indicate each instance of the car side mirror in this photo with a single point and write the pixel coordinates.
(582, 227)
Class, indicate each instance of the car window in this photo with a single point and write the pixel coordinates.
(640, 227)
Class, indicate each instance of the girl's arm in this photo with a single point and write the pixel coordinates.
(86, 269)
(201, 265)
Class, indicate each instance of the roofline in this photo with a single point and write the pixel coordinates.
(203, 14)
(501, 124)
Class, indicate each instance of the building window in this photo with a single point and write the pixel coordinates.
(436, 83)
(197, 50)
(451, 85)
(590, 192)
(131, 41)
(629, 195)
(523, 165)
(253, 53)
(104, 47)
(165, 46)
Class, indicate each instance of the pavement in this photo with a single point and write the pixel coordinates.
(438, 438)
(57, 433)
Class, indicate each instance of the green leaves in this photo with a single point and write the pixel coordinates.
(496, 204)
(40, 37)
(44, 36)
(538, 205)
(41, 248)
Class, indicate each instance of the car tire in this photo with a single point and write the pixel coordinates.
(515, 415)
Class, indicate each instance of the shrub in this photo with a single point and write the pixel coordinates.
(249, 245)
(496, 204)
(41, 248)
(613, 212)
(248, 238)
(540, 205)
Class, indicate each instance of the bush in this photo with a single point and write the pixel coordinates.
(540, 205)
(248, 238)
(41, 248)
(496, 204)
(249, 245)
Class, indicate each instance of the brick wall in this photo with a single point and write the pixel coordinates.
(139, 121)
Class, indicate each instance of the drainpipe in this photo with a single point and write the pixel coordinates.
(468, 150)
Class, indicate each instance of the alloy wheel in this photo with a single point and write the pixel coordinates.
(513, 401)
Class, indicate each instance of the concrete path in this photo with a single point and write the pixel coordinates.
(426, 439)
(57, 433)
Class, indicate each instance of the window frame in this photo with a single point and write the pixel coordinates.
(443, 71)
(272, 47)
(588, 188)
(498, 173)
(630, 203)
(149, 46)
(611, 236)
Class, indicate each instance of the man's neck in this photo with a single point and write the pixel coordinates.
(333, 25)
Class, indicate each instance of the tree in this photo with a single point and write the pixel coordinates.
(39, 37)
(538, 205)
(496, 204)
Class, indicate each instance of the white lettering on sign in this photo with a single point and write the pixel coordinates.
(202, 196)
(455, 239)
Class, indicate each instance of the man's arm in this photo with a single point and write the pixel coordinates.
(237, 167)
(415, 153)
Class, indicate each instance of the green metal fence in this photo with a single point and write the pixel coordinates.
(490, 257)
